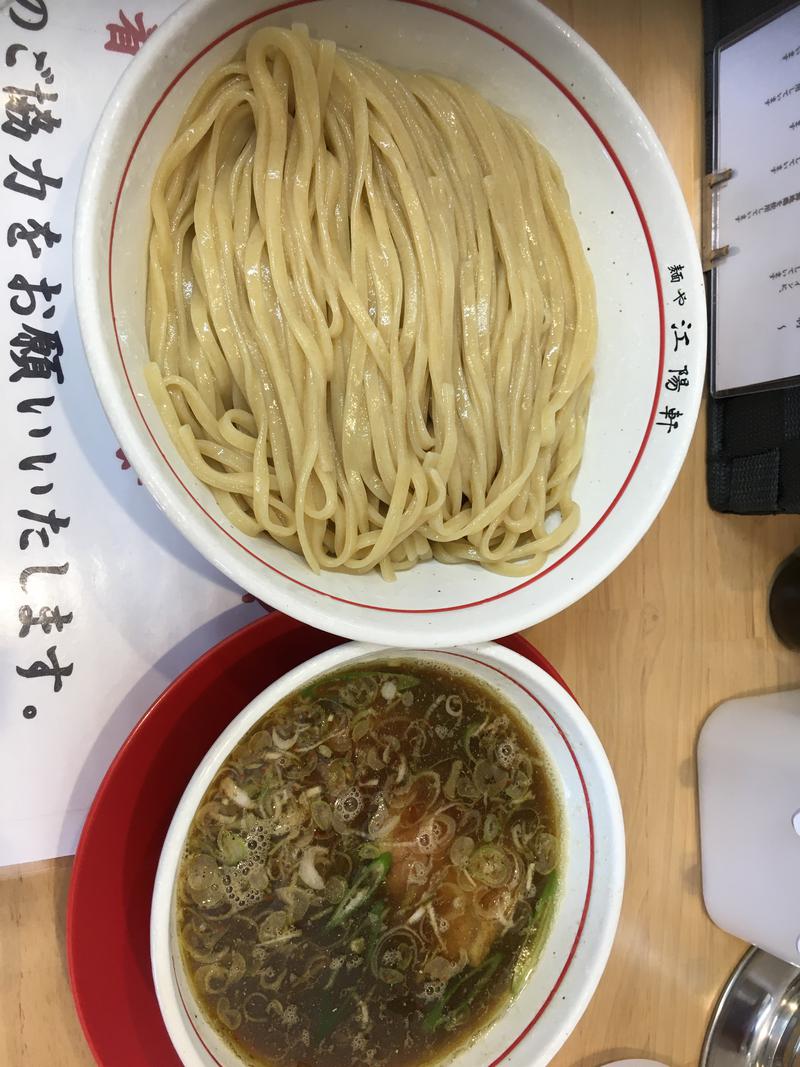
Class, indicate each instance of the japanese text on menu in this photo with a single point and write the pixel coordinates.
(787, 277)
(756, 211)
(36, 353)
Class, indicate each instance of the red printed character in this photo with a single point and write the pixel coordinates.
(126, 36)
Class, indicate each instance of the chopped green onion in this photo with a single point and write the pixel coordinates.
(490, 865)
(443, 1009)
(402, 681)
(536, 935)
(232, 847)
(329, 1014)
(362, 890)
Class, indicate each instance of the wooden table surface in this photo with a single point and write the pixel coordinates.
(679, 627)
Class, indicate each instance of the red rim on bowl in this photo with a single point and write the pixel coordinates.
(108, 912)
(573, 102)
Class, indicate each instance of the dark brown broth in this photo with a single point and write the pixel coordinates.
(352, 972)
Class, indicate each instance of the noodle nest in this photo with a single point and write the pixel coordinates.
(371, 322)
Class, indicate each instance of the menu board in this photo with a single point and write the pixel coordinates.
(756, 288)
(103, 601)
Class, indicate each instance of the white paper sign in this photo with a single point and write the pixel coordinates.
(757, 339)
(103, 602)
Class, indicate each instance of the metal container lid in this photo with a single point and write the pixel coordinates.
(757, 1019)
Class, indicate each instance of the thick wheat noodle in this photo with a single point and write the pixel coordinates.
(370, 319)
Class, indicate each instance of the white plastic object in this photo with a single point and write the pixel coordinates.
(748, 765)
(636, 1063)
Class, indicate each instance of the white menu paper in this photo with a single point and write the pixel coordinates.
(757, 335)
(103, 602)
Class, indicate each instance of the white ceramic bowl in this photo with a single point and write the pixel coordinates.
(539, 1019)
(633, 222)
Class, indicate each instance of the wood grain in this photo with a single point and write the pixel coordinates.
(679, 627)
